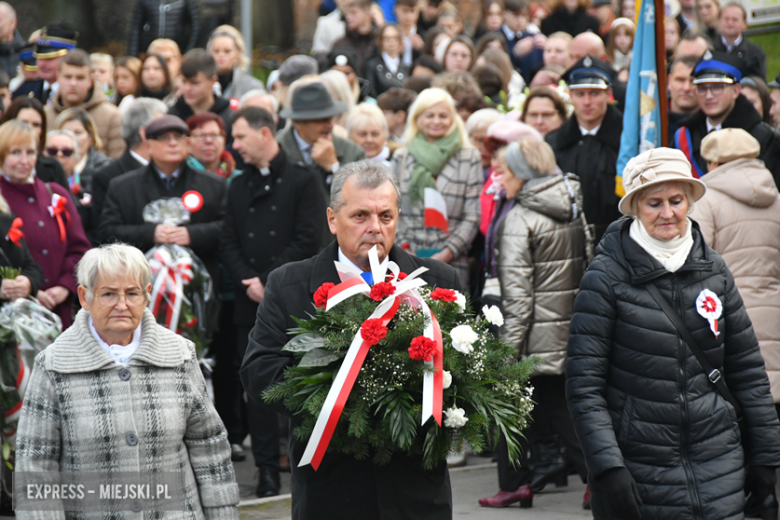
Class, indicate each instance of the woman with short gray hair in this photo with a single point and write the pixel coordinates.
(118, 393)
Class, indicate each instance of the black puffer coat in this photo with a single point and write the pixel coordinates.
(640, 399)
(174, 19)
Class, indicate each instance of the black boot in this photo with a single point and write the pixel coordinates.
(268, 484)
(549, 466)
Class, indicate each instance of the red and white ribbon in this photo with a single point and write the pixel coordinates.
(172, 275)
(12, 414)
(406, 293)
(710, 308)
(59, 212)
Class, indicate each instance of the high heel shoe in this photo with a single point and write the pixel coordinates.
(523, 494)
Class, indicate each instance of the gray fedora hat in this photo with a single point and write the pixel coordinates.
(312, 102)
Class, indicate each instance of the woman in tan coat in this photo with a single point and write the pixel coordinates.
(740, 219)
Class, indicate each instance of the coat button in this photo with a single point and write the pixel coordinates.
(389, 76)
(251, 260)
(251, 210)
(40, 223)
(400, 75)
(251, 235)
(267, 187)
(273, 208)
(273, 259)
(45, 252)
(132, 439)
(45, 280)
(278, 181)
(31, 200)
(124, 374)
(272, 233)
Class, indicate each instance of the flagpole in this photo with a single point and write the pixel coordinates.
(660, 62)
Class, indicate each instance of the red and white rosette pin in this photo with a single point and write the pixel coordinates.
(709, 306)
(192, 201)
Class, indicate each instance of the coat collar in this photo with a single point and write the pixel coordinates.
(609, 132)
(325, 271)
(77, 351)
(290, 145)
(643, 268)
(743, 115)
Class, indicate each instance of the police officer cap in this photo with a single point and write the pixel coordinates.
(718, 67)
(589, 72)
(55, 41)
(27, 57)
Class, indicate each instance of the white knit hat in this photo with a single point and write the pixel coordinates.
(655, 167)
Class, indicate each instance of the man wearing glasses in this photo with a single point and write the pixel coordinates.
(721, 105)
(166, 176)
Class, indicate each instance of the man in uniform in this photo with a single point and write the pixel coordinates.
(53, 43)
(588, 143)
(721, 105)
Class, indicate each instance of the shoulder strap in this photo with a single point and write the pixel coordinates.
(713, 374)
(684, 143)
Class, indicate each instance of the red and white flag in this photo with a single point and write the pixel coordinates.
(436, 211)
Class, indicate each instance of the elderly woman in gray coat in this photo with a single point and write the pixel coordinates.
(542, 250)
(117, 394)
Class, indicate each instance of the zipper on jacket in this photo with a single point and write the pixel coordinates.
(682, 358)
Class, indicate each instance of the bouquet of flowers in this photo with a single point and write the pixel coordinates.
(181, 285)
(26, 328)
(406, 368)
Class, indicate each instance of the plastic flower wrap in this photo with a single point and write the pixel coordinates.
(400, 367)
(26, 328)
(181, 285)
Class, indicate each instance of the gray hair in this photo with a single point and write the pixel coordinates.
(256, 92)
(112, 261)
(367, 174)
(661, 186)
(138, 115)
(70, 135)
(11, 11)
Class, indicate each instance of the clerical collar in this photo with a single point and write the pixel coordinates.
(138, 158)
(346, 261)
(589, 132)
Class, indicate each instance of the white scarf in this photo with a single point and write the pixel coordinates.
(670, 253)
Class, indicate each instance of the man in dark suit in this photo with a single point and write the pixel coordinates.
(732, 40)
(363, 213)
(310, 139)
(167, 175)
(275, 215)
(140, 113)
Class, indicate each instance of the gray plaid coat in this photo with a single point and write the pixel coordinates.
(460, 183)
(81, 407)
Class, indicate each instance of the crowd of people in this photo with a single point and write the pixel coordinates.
(517, 127)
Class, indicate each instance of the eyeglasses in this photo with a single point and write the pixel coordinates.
(203, 137)
(540, 115)
(132, 298)
(715, 88)
(53, 150)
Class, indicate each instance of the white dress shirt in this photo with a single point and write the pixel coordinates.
(304, 147)
(346, 261)
(711, 128)
(590, 132)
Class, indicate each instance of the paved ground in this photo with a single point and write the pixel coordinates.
(477, 479)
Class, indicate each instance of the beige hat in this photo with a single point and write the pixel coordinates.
(729, 144)
(655, 167)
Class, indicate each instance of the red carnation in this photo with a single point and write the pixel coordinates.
(422, 348)
(381, 290)
(401, 276)
(191, 323)
(321, 296)
(446, 295)
(373, 331)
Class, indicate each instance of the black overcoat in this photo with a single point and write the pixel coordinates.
(343, 487)
(382, 79)
(594, 160)
(102, 178)
(122, 217)
(270, 221)
(640, 399)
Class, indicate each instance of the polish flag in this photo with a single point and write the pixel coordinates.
(435, 210)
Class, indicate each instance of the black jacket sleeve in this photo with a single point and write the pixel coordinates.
(230, 249)
(309, 225)
(99, 189)
(113, 224)
(587, 370)
(264, 362)
(136, 26)
(192, 14)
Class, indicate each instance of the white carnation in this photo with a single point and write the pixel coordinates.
(460, 300)
(456, 418)
(493, 315)
(463, 337)
(447, 379)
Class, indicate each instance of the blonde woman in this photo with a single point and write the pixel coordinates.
(438, 155)
(367, 126)
(227, 47)
(340, 90)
